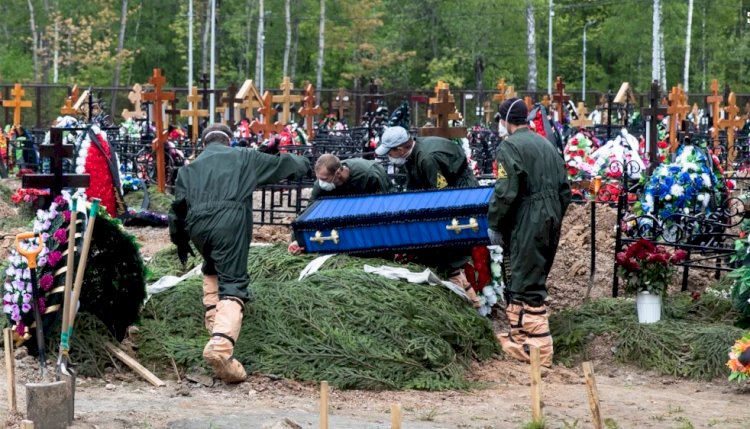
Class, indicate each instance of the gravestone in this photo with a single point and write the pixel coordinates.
(309, 110)
(286, 99)
(158, 97)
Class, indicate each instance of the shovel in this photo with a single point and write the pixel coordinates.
(62, 357)
(31, 254)
(80, 271)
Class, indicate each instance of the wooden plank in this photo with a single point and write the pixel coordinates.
(27, 424)
(536, 386)
(10, 369)
(48, 150)
(593, 392)
(134, 365)
(395, 416)
(323, 405)
(40, 181)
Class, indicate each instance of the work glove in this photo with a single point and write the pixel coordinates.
(183, 250)
(496, 239)
(294, 248)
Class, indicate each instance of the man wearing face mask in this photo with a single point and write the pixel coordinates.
(525, 216)
(433, 163)
(338, 178)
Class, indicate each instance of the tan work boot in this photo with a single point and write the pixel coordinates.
(210, 299)
(461, 281)
(536, 327)
(219, 350)
(513, 340)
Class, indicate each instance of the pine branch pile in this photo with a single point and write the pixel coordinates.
(691, 341)
(353, 329)
(159, 202)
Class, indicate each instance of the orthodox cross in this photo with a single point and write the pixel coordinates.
(230, 105)
(56, 180)
(677, 112)
(436, 99)
(135, 96)
(173, 112)
(715, 101)
(158, 97)
(17, 103)
(341, 103)
(501, 90)
(561, 98)
(583, 120)
(194, 113)
(444, 110)
(732, 121)
(286, 99)
(250, 99)
(310, 109)
(204, 91)
(267, 111)
(652, 112)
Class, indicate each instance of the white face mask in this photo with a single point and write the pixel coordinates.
(501, 130)
(326, 186)
(401, 161)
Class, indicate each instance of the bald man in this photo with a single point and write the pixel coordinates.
(213, 208)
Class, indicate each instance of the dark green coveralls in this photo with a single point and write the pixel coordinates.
(530, 199)
(213, 207)
(365, 177)
(437, 163)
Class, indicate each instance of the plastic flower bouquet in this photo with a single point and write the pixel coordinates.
(647, 267)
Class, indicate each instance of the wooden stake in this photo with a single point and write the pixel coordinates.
(395, 416)
(588, 374)
(323, 405)
(10, 369)
(27, 424)
(134, 365)
(536, 386)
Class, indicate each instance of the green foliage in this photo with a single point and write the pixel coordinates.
(691, 341)
(158, 201)
(534, 425)
(342, 325)
(741, 291)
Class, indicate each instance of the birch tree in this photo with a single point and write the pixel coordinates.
(688, 37)
(259, 44)
(34, 41)
(321, 47)
(531, 45)
(288, 44)
(120, 44)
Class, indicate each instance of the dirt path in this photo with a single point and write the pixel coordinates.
(631, 398)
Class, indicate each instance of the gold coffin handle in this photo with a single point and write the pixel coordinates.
(320, 239)
(457, 227)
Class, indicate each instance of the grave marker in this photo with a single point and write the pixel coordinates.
(158, 97)
(341, 103)
(309, 110)
(17, 103)
(729, 123)
(677, 112)
(194, 113)
(266, 111)
(583, 120)
(501, 92)
(56, 180)
(652, 112)
(286, 99)
(173, 112)
(230, 105)
(250, 99)
(715, 100)
(135, 96)
(561, 98)
(444, 110)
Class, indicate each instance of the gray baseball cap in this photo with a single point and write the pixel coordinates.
(392, 137)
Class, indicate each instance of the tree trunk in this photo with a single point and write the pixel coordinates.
(688, 38)
(118, 63)
(206, 29)
(248, 38)
(655, 63)
(34, 41)
(531, 45)
(662, 60)
(703, 48)
(295, 30)
(259, 42)
(321, 47)
(287, 45)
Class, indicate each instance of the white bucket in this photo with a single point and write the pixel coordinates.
(649, 307)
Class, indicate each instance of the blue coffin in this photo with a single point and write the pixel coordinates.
(395, 222)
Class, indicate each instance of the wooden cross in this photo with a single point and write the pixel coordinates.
(286, 99)
(173, 112)
(158, 97)
(732, 121)
(561, 98)
(341, 103)
(67, 108)
(583, 120)
(204, 91)
(17, 103)
(135, 96)
(441, 86)
(230, 105)
(715, 101)
(652, 112)
(56, 180)
(194, 113)
(309, 110)
(677, 112)
(444, 110)
(250, 99)
(501, 90)
(264, 126)
(488, 112)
